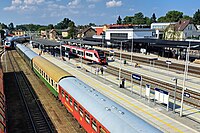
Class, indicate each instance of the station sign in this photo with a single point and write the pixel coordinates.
(136, 77)
(187, 95)
(152, 59)
(161, 91)
(112, 51)
(168, 62)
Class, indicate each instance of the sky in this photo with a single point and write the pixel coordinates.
(83, 12)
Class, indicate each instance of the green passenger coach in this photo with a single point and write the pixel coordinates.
(49, 73)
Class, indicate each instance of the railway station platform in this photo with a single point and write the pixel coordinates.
(109, 86)
(149, 56)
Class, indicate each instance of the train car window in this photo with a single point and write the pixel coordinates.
(81, 111)
(94, 125)
(63, 93)
(67, 98)
(95, 54)
(74, 51)
(102, 130)
(2, 111)
(67, 49)
(1, 117)
(101, 54)
(47, 77)
(1, 100)
(51, 82)
(70, 101)
(1, 97)
(75, 106)
(1, 126)
(1, 105)
(87, 118)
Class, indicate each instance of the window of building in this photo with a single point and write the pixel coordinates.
(118, 35)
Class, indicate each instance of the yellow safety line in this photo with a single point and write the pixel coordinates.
(169, 125)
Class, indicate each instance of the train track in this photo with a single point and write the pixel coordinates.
(38, 121)
(179, 68)
(194, 96)
(194, 99)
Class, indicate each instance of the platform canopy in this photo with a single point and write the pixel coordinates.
(46, 42)
(83, 42)
(161, 43)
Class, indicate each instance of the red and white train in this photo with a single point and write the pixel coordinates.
(94, 55)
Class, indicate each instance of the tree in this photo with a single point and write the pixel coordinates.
(92, 24)
(196, 17)
(11, 26)
(139, 18)
(147, 21)
(153, 18)
(186, 17)
(162, 19)
(119, 20)
(174, 16)
(3, 26)
(72, 30)
(128, 20)
(63, 24)
(50, 26)
(171, 16)
(2, 32)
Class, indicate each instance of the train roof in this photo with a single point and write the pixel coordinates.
(110, 114)
(27, 51)
(55, 72)
(22, 47)
(31, 54)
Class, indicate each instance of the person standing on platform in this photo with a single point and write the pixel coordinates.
(101, 69)
(97, 70)
(123, 82)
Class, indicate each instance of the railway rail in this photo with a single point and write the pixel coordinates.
(194, 99)
(179, 68)
(36, 116)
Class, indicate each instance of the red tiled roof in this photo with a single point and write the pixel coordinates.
(99, 30)
(181, 25)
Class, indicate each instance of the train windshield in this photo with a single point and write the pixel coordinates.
(101, 54)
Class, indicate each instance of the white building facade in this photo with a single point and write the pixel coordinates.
(112, 34)
(160, 28)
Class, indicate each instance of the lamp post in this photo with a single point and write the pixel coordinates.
(81, 55)
(60, 50)
(185, 75)
(184, 78)
(132, 52)
(120, 62)
(174, 105)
